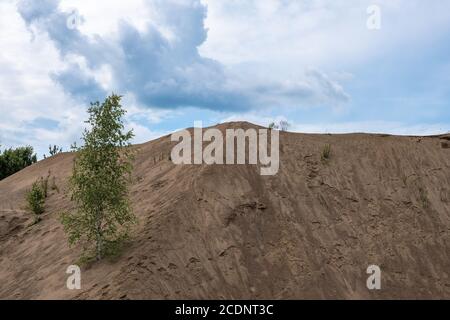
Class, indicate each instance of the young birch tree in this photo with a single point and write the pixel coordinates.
(99, 183)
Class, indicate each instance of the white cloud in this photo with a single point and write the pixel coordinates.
(101, 16)
(27, 91)
(167, 71)
(287, 36)
(386, 127)
(29, 95)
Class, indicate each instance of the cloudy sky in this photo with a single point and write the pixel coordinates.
(315, 63)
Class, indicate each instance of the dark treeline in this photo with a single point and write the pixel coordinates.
(14, 160)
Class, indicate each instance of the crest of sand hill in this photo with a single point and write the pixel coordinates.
(225, 231)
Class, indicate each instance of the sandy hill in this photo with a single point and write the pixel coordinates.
(224, 231)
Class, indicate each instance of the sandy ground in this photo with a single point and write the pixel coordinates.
(224, 231)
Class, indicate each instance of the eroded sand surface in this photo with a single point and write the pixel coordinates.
(227, 232)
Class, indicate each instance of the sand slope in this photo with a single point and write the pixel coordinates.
(228, 232)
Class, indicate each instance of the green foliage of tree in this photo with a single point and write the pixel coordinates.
(99, 183)
(284, 125)
(36, 199)
(281, 125)
(14, 160)
(53, 150)
(36, 196)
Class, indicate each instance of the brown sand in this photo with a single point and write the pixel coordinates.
(227, 232)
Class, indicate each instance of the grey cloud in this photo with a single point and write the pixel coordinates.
(167, 74)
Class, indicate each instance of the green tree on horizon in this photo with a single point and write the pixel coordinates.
(14, 160)
(53, 150)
